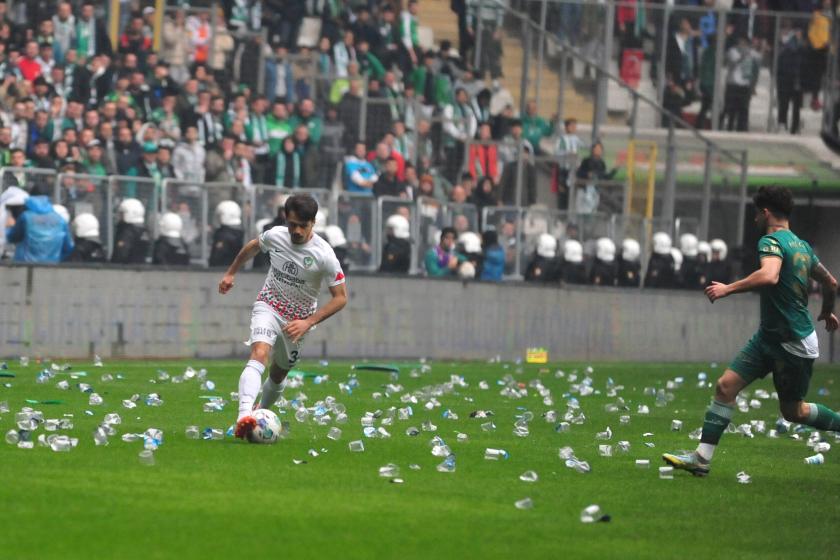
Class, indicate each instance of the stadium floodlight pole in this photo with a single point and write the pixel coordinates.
(477, 31)
(669, 197)
(742, 200)
(774, 69)
(541, 50)
(706, 202)
(600, 116)
(718, 85)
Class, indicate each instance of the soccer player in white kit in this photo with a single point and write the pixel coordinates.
(287, 305)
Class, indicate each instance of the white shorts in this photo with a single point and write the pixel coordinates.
(267, 326)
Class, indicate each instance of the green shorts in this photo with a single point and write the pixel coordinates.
(791, 374)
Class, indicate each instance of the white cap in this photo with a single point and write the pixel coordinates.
(86, 226)
(132, 211)
(703, 248)
(677, 255)
(335, 237)
(229, 213)
(399, 226)
(61, 210)
(688, 244)
(630, 250)
(719, 246)
(661, 243)
(470, 241)
(320, 222)
(466, 270)
(605, 249)
(171, 225)
(547, 246)
(573, 251)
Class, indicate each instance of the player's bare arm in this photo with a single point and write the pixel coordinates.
(767, 275)
(300, 327)
(248, 252)
(829, 295)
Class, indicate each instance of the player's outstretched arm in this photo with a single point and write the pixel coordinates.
(767, 275)
(248, 252)
(300, 327)
(829, 296)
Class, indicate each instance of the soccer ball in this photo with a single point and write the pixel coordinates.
(268, 427)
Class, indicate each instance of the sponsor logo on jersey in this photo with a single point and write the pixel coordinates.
(339, 276)
(290, 268)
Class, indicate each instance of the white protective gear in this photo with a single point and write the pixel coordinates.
(605, 250)
(14, 196)
(320, 222)
(399, 226)
(132, 211)
(703, 248)
(466, 271)
(335, 237)
(470, 241)
(677, 255)
(229, 213)
(547, 246)
(573, 251)
(171, 225)
(688, 244)
(630, 250)
(86, 226)
(661, 243)
(261, 224)
(61, 210)
(719, 246)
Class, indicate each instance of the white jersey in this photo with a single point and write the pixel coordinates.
(297, 273)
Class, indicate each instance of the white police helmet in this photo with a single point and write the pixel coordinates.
(61, 210)
(630, 250)
(171, 225)
(132, 211)
(605, 249)
(399, 226)
(719, 246)
(688, 244)
(470, 241)
(320, 222)
(703, 248)
(261, 224)
(573, 251)
(547, 246)
(661, 243)
(86, 226)
(229, 213)
(335, 237)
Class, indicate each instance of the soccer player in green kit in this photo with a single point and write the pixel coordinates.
(786, 342)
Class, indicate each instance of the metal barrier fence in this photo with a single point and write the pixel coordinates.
(357, 216)
(32, 180)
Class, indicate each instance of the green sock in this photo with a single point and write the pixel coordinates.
(823, 418)
(717, 419)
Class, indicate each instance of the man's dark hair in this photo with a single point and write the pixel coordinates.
(778, 200)
(304, 206)
(446, 231)
(489, 238)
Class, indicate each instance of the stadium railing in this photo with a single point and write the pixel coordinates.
(357, 216)
(30, 179)
(388, 206)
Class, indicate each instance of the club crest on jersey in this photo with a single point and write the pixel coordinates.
(308, 262)
(290, 268)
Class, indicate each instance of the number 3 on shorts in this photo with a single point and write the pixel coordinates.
(293, 357)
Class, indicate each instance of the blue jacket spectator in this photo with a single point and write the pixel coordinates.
(494, 257)
(359, 174)
(41, 235)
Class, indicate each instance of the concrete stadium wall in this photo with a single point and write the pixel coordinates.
(146, 312)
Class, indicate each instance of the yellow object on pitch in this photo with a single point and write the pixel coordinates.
(536, 356)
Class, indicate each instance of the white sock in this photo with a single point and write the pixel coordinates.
(270, 392)
(706, 451)
(249, 386)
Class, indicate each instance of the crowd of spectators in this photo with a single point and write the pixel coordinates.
(250, 95)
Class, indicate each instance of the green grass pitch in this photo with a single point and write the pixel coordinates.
(228, 499)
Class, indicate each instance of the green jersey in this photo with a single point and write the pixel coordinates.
(784, 306)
